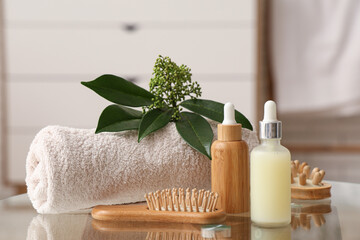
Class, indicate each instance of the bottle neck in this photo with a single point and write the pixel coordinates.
(228, 133)
(271, 141)
(270, 130)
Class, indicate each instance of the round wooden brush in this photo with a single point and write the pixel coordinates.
(307, 184)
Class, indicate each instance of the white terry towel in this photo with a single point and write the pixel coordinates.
(72, 169)
(316, 56)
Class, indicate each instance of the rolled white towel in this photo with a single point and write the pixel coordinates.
(71, 169)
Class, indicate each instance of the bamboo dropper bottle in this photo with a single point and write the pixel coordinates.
(230, 165)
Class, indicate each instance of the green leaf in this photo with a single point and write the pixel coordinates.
(116, 118)
(154, 120)
(121, 91)
(214, 110)
(196, 131)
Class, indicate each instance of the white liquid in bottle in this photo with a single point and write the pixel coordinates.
(270, 183)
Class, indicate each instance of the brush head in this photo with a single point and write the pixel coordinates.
(307, 184)
(179, 200)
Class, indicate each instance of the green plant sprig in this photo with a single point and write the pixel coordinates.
(169, 88)
(171, 84)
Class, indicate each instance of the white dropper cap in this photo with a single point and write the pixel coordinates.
(270, 126)
(229, 114)
(270, 112)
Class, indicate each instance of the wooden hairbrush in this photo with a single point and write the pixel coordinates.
(308, 185)
(175, 205)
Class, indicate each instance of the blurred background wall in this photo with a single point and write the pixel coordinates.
(243, 51)
(53, 45)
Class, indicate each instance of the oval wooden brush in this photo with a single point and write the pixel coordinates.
(306, 185)
(168, 205)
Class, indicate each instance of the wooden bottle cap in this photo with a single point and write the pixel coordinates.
(228, 133)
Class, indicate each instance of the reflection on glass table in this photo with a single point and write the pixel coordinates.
(335, 218)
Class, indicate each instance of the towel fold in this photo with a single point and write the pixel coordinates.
(70, 169)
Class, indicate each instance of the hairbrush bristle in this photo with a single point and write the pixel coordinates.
(179, 201)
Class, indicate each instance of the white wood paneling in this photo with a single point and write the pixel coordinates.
(106, 51)
(129, 10)
(241, 93)
(42, 104)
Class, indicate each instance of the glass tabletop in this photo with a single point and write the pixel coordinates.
(334, 218)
